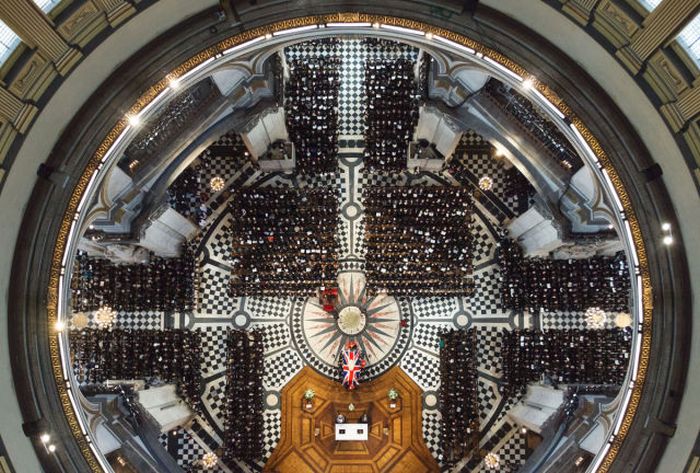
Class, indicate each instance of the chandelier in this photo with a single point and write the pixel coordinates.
(485, 183)
(623, 320)
(80, 320)
(595, 317)
(492, 461)
(209, 460)
(217, 183)
(104, 317)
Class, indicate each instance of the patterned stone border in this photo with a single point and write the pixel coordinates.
(218, 49)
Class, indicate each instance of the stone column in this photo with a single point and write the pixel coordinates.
(116, 10)
(658, 28)
(37, 30)
(580, 10)
(686, 107)
(14, 111)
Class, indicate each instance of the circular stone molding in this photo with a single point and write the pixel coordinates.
(462, 319)
(272, 400)
(351, 320)
(241, 320)
(373, 322)
(105, 154)
(430, 400)
(351, 211)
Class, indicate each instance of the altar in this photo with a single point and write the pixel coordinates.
(359, 430)
(349, 432)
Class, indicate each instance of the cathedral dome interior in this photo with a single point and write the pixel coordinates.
(324, 237)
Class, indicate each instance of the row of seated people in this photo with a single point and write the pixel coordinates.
(418, 240)
(382, 48)
(311, 107)
(162, 284)
(313, 48)
(518, 187)
(562, 285)
(535, 123)
(277, 66)
(190, 192)
(391, 113)
(459, 405)
(167, 356)
(565, 356)
(284, 241)
(465, 169)
(243, 410)
(184, 194)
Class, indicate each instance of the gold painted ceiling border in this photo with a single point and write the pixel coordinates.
(149, 95)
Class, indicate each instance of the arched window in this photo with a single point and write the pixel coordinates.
(650, 4)
(47, 5)
(689, 38)
(8, 42)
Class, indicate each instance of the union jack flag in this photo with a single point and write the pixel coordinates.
(352, 364)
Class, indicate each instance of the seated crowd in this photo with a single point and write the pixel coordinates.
(243, 411)
(284, 241)
(157, 356)
(535, 123)
(311, 107)
(459, 405)
(391, 113)
(191, 191)
(518, 187)
(566, 356)
(418, 240)
(163, 284)
(562, 285)
(387, 48)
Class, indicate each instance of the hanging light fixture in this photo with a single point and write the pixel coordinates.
(209, 460)
(80, 320)
(492, 461)
(485, 183)
(217, 183)
(595, 317)
(104, 317)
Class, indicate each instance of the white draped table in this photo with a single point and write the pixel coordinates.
(351, 432)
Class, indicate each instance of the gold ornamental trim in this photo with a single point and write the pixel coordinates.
(345, 17)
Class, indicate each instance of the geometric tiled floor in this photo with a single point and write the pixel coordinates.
(286, 352)
(415, 349)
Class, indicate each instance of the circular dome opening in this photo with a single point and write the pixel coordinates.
(403, 188)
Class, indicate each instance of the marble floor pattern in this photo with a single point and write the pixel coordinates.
(285, 322)
(296, 333)
(290, 325)
(288, 332)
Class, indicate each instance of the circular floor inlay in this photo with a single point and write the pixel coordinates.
(351, 320)
(351, 211)
(461, 320)
(241, 320)
(431, 400)
(371, 321)
(272, 400)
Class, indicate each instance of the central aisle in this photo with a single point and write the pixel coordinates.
(308, 442)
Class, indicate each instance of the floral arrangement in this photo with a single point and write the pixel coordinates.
(309, 394)
(393, 394)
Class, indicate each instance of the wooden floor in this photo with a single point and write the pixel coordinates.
(308, 441)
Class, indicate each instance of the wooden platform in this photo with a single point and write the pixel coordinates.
(308, 444)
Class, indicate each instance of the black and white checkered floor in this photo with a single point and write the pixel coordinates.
(413, 348)
(287, 349)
